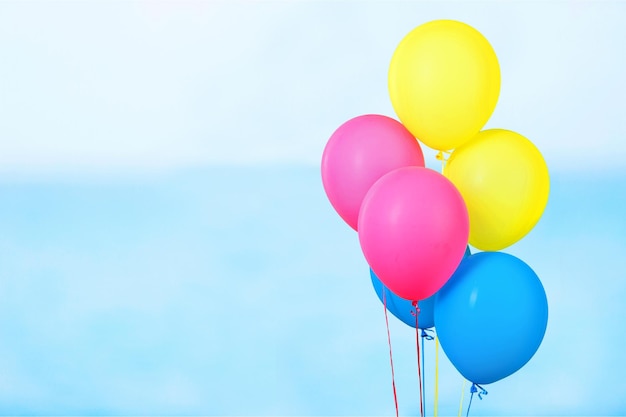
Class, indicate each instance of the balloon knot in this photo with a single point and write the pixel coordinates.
(443, 155)
(426, 334)
(417, 309)
(475, 389)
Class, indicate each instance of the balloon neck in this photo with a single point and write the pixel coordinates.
(414, 304)
(427, 334)
(479, 390)
(473, 390)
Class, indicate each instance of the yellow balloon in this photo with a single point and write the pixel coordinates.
(444, 83)
(505, 183)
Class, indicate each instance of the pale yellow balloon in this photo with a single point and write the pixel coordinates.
(444, 83)
(505, 183)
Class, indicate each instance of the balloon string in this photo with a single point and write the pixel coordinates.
(393, 378)
(473, 390)
(436, 404)
(470, 404)
(425, 336)
(462, 395)
(417, 345)
(423, 370)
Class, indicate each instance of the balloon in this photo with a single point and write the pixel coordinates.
(413, 229)
(444, 83)
(491, 316)
(505, 183)
(403, 309)
(360, 152)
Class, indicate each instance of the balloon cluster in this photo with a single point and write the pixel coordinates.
(414, 224)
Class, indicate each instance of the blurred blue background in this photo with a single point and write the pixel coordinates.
(166, 246)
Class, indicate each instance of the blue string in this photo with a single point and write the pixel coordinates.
(425, 336)
(470, 404)
(475, 390)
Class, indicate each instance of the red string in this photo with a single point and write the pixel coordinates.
(419, 368)
(393, 378)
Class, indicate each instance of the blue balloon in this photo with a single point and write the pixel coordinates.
(491, 316)
(403, 309)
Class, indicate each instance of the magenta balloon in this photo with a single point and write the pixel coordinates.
(413, 230)
(358, 153)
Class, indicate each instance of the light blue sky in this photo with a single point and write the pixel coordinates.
(166, 246)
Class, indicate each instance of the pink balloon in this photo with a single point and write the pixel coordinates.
(361, 151)
(413, 230)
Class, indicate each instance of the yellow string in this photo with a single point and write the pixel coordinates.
(435, 406)
(462, 393)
